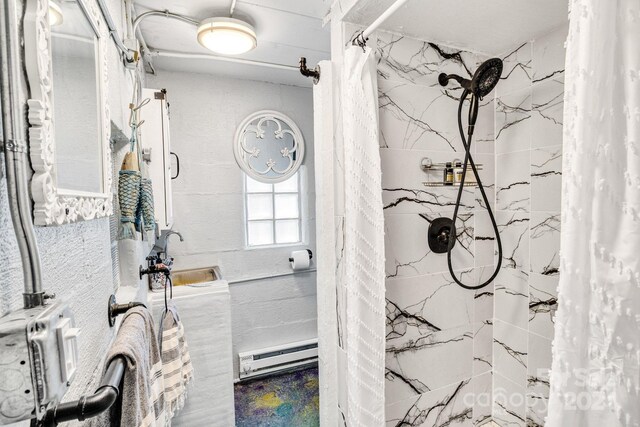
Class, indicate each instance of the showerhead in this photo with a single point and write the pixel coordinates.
(443, 79)
(484, 80)
(486, 77)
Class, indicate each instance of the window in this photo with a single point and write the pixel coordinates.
(273, 212)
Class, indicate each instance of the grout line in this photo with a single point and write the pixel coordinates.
(511, 324)
(497, 374)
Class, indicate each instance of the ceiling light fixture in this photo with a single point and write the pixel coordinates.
(227, 36)
(55, 13)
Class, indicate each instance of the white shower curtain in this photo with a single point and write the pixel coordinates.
(595, 379)
(364, 242)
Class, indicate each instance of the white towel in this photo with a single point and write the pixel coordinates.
(176, 362)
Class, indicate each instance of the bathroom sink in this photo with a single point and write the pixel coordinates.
(195, 275)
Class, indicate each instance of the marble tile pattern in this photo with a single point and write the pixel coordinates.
(448, 347)
(439, 335)
(415, 111)
(528, 120)
(513, 121)
(546, 178)
(509, 403)
(443, 407)
(513, 181)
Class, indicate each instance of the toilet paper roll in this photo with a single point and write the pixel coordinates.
(300, 260)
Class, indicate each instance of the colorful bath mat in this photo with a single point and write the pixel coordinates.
(287, 400)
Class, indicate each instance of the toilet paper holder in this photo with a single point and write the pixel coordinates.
(310, 255)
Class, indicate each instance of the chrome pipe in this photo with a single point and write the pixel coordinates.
(16, 152)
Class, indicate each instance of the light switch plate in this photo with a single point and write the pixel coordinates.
(68, 348)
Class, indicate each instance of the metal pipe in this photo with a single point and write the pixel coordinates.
(172, 54)
(90, 406)
(128, 53)
(232, 8)
(307, 72)
(164, 13)
(385, 15)
(16, 160)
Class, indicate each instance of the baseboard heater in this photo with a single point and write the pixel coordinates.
(285, 357)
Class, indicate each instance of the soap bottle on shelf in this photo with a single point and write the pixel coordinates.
(448, 174)
(457, 172)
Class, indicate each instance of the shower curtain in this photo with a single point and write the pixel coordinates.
(595, 378)
(363, 242)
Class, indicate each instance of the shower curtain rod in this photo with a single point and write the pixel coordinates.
(361, 38)
(186, 55)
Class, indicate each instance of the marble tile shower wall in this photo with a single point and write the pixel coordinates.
(439, 336)
(528, 145)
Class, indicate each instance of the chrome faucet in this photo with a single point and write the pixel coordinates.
(170, 232)
(163, 240)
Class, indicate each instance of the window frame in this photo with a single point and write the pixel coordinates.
(273, 219)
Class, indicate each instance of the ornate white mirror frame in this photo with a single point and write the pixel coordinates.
(269, 172)
(52, 206)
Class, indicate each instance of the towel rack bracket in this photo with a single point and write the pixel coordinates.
(114, 309)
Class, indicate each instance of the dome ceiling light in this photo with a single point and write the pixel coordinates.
(227, 36)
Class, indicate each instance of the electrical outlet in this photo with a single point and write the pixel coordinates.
(38, 357)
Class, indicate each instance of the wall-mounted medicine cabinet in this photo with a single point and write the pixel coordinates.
(155, 142)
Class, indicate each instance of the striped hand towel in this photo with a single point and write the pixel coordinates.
(143, 400)
(176, 362)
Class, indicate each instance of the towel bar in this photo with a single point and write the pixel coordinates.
(108, 391)
(90, 406)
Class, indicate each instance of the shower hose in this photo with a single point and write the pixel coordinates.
(468, 159)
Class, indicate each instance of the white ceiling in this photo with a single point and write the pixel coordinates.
(286, 29)
(487, 26)
(289, 29)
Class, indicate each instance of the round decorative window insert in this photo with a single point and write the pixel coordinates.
(268, 146)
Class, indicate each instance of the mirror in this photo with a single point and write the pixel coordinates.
(269, 147)
(69, 126)
(77, 132)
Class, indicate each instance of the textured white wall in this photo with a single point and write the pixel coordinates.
(209, 205)
(76, 258)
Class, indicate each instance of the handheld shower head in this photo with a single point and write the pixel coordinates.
(442, 231)
(486, 77)
(484, 80)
